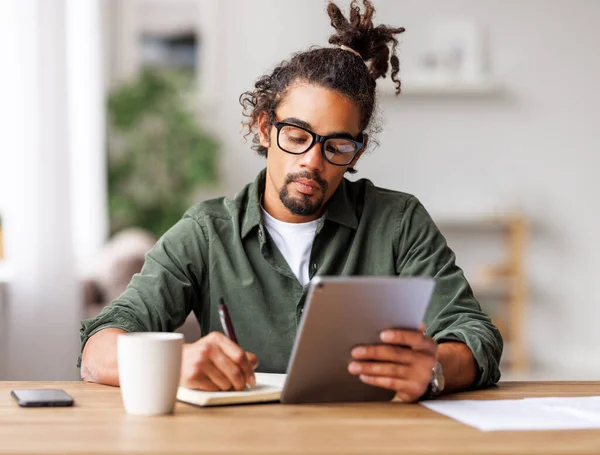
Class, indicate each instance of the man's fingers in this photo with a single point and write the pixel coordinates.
(409, 338)
(380, 369)
(217, 377)
(246, 360)
(200, 382)
(253, 359)
(232, 370)
(384, 353)
(407, 390)
(394, 354)
(220, 361)
(199, 367)
(420, 374)
(403, 362)
(232, 360)
(248, 367)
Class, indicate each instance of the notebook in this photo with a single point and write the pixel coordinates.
(268, 388)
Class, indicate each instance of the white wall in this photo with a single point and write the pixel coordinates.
(535, 148)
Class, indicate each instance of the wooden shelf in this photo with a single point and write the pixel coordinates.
(507, 356)
(502, 287)
(478, 221)
(439, 86)
(499, 288)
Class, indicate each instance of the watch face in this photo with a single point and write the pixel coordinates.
(435, 386)
(437, 381)
(439, 376)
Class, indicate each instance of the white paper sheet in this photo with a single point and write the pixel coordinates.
(526, 414)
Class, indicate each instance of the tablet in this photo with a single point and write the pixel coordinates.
(341, 313)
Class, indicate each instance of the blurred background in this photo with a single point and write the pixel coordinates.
(117, 115)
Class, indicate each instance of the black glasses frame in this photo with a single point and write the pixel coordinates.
(320, 139)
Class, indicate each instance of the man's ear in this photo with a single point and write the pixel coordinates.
(264, 129)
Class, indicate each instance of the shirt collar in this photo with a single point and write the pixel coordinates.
(252, 214)
(340, 208)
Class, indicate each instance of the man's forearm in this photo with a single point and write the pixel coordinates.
(99, 358)
(460, 368)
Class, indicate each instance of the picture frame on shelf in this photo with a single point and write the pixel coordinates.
(455, 51)
(447, 57)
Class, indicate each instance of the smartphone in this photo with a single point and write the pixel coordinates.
(42, 397)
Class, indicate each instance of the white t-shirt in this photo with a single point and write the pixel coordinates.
(294, 241)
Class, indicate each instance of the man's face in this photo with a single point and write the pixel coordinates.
(298, 186)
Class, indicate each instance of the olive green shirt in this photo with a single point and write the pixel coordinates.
(220, 248)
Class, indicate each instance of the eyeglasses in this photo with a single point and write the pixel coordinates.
(337, 149)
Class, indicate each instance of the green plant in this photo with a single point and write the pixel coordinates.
(158, 155)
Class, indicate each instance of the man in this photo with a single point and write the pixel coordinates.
(301, 218)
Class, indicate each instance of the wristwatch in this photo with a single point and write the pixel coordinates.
(437, 383)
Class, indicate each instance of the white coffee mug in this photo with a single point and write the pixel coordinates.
(149, 369)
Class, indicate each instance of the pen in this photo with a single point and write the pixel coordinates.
(227, 325)
(226, 321)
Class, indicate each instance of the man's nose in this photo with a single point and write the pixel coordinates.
(313, 158)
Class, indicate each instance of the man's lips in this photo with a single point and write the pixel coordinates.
(306, 186)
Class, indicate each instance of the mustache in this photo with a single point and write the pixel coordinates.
(308, 176)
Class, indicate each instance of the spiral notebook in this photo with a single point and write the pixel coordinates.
(268, 388)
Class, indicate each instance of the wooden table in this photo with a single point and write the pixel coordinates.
(98, 424)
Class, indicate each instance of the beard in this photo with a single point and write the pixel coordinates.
(302, 205)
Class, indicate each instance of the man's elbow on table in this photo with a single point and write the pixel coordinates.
(99, 357)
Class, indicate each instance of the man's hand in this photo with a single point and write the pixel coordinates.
(403, 363)
(214, 363)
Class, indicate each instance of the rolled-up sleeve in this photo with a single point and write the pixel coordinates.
(453, 313)
(160, 297)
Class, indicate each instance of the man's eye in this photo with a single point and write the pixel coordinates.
(297, 140)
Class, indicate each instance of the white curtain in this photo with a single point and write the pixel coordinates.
(51, 175)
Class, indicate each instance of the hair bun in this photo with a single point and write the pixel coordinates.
(371, 43)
